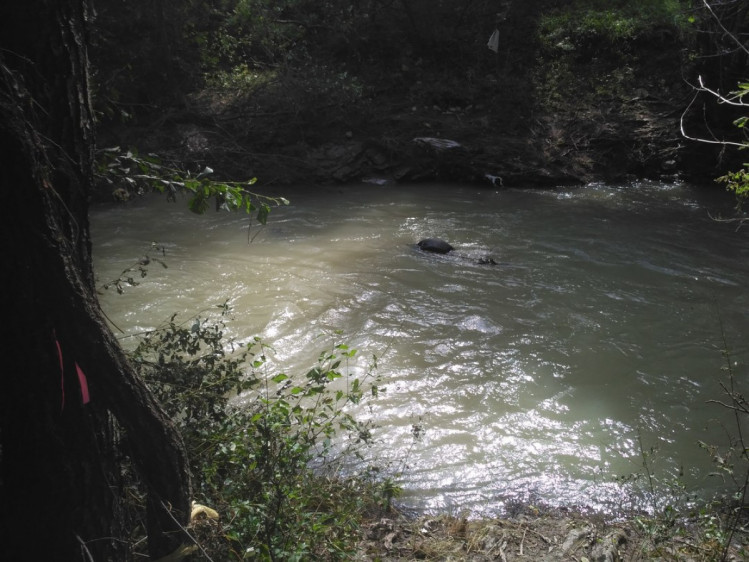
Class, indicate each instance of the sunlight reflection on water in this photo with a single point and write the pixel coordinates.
(530, 379)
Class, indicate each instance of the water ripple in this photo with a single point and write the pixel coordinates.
(534, 379)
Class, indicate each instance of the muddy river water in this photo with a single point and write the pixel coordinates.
(599, 333)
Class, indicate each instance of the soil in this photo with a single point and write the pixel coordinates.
(395, 140)
(552, 536)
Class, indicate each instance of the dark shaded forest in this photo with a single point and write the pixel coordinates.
(338, 91)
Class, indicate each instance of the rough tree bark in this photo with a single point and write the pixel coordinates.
(59, 485)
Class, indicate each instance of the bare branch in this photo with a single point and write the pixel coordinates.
(735, 408)
(723, 27)
(722, 99)
(739, 220)
(700, 139)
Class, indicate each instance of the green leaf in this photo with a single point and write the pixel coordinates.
(280, 377)
(198, 204)
(192, 185)
(262, 213)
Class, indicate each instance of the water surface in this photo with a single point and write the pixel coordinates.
(534, 379)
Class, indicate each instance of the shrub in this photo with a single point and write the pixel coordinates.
(592, 24)
(268, 452)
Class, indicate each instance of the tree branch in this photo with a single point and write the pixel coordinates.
(721, 99)
(723, 27)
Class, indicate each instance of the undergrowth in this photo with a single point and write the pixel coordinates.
(613, 23)
(268, 451)
(272, 453)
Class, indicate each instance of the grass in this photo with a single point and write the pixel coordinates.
(611, 22)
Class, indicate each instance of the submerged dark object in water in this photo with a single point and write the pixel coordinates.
(439, 246)
(435, 245)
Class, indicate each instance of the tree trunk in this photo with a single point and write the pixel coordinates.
(61, 463)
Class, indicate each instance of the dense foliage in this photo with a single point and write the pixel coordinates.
(273, 460)
(253, 88)
(333, 51)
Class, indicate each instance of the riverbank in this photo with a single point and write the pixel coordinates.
(436, 127)
(545, 111)
(538, 535)
(549, 537)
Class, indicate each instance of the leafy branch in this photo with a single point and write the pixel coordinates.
(130, 173)
(737, 181)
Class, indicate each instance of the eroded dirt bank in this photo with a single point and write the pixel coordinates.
(526, 116)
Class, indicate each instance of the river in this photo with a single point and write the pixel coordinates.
(597, 336)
